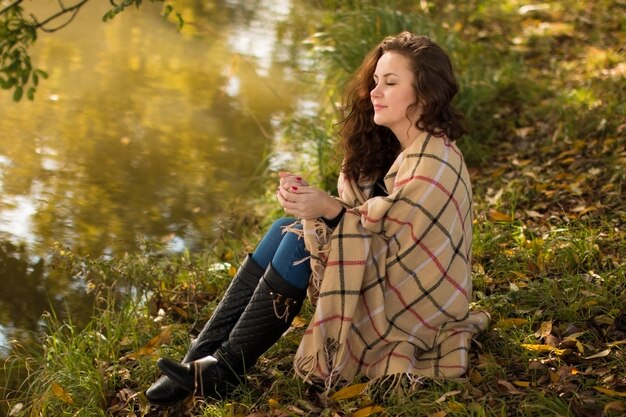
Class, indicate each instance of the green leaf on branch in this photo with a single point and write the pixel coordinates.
(17, 94)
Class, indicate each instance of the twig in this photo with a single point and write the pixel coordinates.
(72, 9)
(10, 6)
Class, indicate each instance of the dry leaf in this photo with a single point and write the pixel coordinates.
(544, 330)
(16, 409)
(543, 348)
(614, 406)
(273, 403)
(610, 392)
(149, 348)
(497, 216)
(508, 387)
(349, 391)
(439, 414)
(446, 395)
(475, 377)
(602, 354)
(60, 393)
(298, 322)
(367, 411)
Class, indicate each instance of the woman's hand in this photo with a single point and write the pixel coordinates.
(306, 202)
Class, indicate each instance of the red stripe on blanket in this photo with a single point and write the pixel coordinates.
(327, 319)
(435, 329)
(432, 257)
(438, 185)
(345, 263)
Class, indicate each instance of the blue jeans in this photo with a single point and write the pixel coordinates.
(283, 249)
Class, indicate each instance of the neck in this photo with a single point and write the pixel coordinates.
(407, 138)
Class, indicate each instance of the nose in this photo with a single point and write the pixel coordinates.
(374, 92)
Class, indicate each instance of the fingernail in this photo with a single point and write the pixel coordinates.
(293, 187)
(299, 178)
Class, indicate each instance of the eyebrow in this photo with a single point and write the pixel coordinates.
(387, 74)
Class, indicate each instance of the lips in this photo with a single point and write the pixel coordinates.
(378, 107)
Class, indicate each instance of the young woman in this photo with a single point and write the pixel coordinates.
(387, 263)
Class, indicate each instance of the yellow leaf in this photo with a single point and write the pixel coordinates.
(349, 391)
(439, 414)
(149, 348)
(273, 403)
(519, 274)
(543, 348)
(298, 321)
(619, 342)
(456, 407)
(503, 324)
(497, 216)
(180, 311)
(545, 329)
(163, 337)
(475, 377)
(610, 392)
(523, 384)
(60, 393)
(602, 354)
(367, 411)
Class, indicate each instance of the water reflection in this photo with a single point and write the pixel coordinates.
(140, 131)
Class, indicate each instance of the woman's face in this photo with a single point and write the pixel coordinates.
(394, 93)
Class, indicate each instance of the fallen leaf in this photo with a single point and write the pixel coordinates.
(610, 392)
(614, 406)
(149, 348)
(61, 394)
(544, 330)
(438, 414)
(367, 411)
(523, 384)
(446, 395)
(15, 410)
(298, 322)
(544, 348)
(602, 354)
(497, 216)
(180, 311)
(475, 377)
(273, 403)
(349, 392)
(508, 387)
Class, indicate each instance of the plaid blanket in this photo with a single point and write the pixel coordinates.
(392, 282)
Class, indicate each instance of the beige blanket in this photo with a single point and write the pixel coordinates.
(392, 282)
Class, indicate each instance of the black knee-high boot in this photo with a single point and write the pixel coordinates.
(268, 315)
(215, 332)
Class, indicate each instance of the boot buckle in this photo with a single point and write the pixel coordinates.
(280, 299)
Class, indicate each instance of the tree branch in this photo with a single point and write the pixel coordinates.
(10, 6)
(64, 10)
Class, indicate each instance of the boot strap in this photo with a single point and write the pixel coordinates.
(280, 299)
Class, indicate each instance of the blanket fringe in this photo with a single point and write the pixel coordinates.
(318, 261)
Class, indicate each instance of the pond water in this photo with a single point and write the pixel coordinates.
(140, 132)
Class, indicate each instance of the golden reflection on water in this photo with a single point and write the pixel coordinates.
(140, 130)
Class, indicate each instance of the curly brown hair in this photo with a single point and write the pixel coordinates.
(370, 149)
